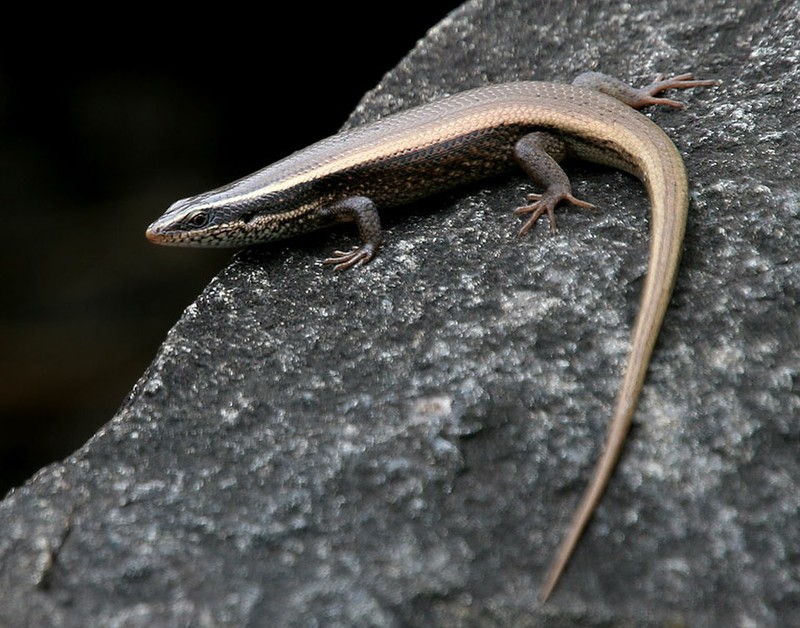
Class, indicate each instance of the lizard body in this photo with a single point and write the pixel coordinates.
(453, 141)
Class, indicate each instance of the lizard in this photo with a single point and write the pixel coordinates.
(459, 139)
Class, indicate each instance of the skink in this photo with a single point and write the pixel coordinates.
(453, 141)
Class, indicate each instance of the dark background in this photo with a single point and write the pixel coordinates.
(103, 123)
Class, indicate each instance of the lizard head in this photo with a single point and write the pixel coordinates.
(191, 222)
(211, 220)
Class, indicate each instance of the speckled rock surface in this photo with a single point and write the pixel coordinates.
(403, 444)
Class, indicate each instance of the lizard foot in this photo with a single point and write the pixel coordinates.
(646, 94)
(546, 202)
(358, 255)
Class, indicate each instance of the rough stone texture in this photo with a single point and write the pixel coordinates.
(403, 444)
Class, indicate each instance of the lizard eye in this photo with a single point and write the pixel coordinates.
(198, 220)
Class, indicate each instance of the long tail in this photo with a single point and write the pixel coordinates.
(668, 193)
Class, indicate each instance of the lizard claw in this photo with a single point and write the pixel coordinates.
(647, 94)
(358, 255)
(546, 202)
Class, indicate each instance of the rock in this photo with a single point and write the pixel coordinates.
(404, 443)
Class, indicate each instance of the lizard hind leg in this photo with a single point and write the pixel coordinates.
(539, 154)
(638, 97)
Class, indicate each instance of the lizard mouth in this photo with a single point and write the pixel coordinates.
(153, 235)
(157, 234)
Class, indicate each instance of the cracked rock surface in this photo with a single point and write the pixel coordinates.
(404, 443)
